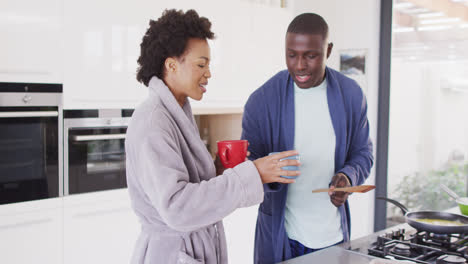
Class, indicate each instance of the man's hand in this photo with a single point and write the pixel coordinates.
(338, 181)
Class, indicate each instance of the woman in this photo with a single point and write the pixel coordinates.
(171, 176)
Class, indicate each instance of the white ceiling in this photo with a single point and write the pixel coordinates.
(430, 30)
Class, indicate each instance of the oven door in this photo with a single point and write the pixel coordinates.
(96, 159)
(29, 147)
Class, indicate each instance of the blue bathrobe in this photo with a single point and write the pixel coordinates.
(268, 125)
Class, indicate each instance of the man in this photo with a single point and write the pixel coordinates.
(323, 115)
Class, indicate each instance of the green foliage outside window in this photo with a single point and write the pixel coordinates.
(422, 191)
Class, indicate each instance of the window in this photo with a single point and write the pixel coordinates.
(428, 111)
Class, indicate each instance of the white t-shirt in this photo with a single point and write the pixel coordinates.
(311, 218)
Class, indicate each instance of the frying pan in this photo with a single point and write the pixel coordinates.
(413, 217)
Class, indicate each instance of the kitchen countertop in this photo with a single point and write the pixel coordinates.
(211, 108)
(108, 196)
(332, 255)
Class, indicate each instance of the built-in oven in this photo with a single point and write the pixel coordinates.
(30, 141)
(94, 149)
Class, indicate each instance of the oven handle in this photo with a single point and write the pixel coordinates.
(97, 137)
(28, 114)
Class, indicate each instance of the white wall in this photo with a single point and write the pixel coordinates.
(354, 25)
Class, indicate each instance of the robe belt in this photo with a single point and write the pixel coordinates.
(167, 231)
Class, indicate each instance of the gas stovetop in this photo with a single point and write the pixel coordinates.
(421, 247)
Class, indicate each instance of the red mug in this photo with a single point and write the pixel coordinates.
(232, 152)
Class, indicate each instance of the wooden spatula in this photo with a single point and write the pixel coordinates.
(359, 189)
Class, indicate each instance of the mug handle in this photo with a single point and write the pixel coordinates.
(224, 155)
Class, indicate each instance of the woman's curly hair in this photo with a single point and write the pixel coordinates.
(168, 37)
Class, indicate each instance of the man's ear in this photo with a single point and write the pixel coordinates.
(170, 64)
(329, 49)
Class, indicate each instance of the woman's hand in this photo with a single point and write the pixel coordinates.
(269, 167)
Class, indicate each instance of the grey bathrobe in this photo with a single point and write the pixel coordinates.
(173, 186)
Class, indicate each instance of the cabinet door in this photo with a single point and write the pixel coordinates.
(101, 52)
(99, 228)
(31, 41)
(240, 234)
(31, 236)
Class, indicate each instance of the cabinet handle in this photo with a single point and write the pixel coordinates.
(28, 223)
(98, 137)
(28, 114)
(101, 212)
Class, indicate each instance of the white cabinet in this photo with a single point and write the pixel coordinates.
(86, 228)
(240, 234)
(30, 50)
(99, 228)
(94, 228)
(102, 45)
(92, 47)
(31, 232)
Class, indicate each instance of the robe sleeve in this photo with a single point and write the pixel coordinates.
(187, 206)
(359, 159)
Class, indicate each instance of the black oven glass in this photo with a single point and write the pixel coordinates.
(28, 155)
(96, 159)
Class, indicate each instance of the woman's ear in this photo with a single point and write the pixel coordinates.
(170, 65)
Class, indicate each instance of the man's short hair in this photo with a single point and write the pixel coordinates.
(309, 23)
